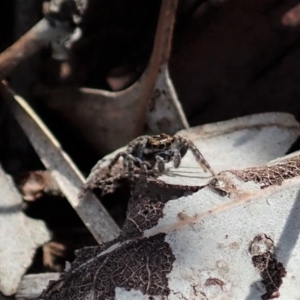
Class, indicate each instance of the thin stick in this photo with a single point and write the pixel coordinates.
(160, 55)
(37, 37)
(62, 169)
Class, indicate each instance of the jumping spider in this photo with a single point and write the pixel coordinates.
(148, 151)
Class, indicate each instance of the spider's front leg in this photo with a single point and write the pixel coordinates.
(199, 157)
(176, 158)
(165, 157)
(160, 162)
(131, 161)
(144, 173)
(116, 158)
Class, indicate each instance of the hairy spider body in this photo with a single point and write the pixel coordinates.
(148, 151)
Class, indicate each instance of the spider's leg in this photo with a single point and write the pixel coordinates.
(130, 164)
(199, 157)
(160, 163)
(144, 172)
(176, 158)
(116, 158)
(131, 161)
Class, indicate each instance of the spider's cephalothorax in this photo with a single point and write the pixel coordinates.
(149, 151)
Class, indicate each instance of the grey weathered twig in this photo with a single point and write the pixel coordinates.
(62, 169)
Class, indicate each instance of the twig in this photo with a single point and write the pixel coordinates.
(160, 56)
(40, 35)
(62, 168)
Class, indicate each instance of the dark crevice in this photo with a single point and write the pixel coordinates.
(294, 147)
(271, 272)
(273, 64)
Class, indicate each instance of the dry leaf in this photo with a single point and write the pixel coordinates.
(235, 238)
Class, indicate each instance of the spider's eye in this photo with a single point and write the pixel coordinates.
(161, 146)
